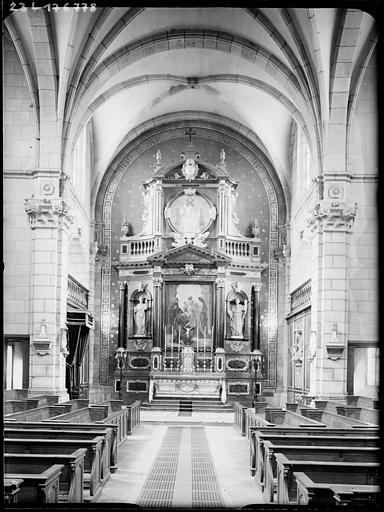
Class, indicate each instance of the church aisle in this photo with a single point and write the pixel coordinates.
(184, 465)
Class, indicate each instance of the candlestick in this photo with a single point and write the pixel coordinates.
(179, 342)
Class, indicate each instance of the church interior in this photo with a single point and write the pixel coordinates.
(190, 244)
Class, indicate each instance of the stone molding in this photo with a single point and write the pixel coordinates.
(332, 216)
(46, 213)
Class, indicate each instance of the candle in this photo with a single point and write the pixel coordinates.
(179, 341)
(165, 337)
(197, 341)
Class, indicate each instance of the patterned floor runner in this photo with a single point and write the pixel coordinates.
(159, 485)
(183, 456)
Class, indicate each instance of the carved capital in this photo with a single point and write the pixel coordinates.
(47, 213)
(256, 286)
(157, 281)
(335, 216)
(220, 283)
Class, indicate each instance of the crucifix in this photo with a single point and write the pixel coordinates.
(190, 132)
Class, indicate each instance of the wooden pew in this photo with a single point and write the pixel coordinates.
(239, 418)
(362, 401)
(97, 414)
(319, 493)
(256, 416)
(351, 473)
(329, 418)
(94, 464)
(39, 413)
(72, 475)
(290, 418)
(11, 490)
(15, 394)
(105, 429)
(37, 488)
(40, 401)
(360, 413)
(258, 435)
(313, 452)
(14, 406)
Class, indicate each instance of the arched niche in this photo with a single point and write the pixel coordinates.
(140, 314)
(237, 314)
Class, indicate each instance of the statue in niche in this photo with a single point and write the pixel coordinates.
(236, 313)
(146, 217)
(139, 312)
(234, 218)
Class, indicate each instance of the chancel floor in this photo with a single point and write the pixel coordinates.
(178, 461)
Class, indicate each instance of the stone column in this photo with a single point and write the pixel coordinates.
(220, 311)
(331, 224)
(157, 310)
(50, 221)
(255, 305)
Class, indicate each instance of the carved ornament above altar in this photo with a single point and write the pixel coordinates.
(190, 213)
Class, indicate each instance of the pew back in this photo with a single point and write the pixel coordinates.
(72, 475)
(38, 488)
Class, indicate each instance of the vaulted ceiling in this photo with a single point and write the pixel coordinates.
(121, 67)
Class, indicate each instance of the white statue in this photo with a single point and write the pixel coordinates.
(140, 317)
(146, 217)
(150, 398)
(190, 169)
(237, 314)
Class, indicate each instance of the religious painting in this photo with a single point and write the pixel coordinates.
(190, 213)
(188, 315)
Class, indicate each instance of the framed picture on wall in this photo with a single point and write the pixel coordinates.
(189, 317)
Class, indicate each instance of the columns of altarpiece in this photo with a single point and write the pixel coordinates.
(255, 309)
(157, 309)
(122, 340)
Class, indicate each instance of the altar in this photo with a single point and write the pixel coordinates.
(186, 378)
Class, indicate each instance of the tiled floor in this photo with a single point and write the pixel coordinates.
(214, 476)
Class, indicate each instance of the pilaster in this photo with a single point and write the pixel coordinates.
(51, 221)
(330, 223)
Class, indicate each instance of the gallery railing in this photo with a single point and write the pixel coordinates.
(139, 248)
(241, 248)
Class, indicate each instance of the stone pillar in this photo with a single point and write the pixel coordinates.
(50, 221)
(255, 305)
(157, 309)
(331, 224)
(220, 311)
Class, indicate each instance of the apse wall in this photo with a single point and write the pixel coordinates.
(125, 202)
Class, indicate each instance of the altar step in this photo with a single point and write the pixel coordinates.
(187, 405)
